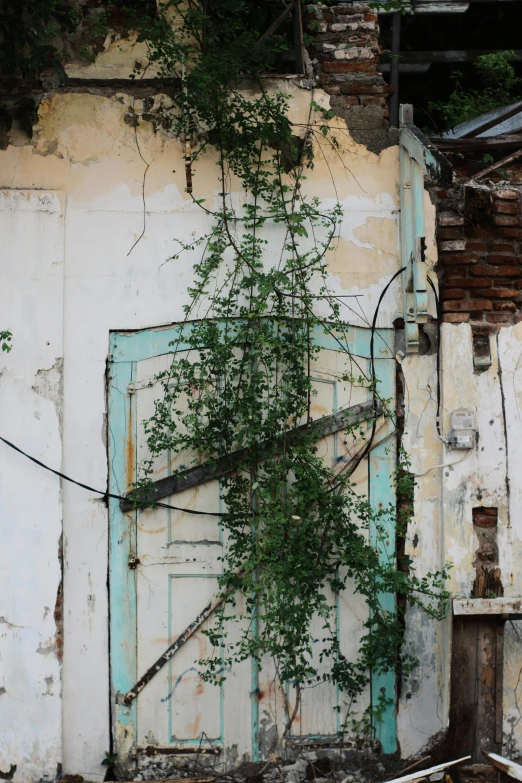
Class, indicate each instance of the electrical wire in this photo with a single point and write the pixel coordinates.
(105, 495)
(368, 447)
(446, 465)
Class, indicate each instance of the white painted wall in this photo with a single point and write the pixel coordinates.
(104, 289)
(31, 304)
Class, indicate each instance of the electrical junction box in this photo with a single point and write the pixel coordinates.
(463, 434)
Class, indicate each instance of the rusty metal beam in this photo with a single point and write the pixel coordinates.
(174, 647)
(208, 471)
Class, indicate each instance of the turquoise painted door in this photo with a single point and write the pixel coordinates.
(164, 566)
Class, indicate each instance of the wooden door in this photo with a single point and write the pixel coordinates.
(164, 566)
(476, 686)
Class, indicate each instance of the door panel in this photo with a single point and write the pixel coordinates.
(476, 686)
(165, 566)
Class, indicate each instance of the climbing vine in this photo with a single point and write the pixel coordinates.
(296, 532)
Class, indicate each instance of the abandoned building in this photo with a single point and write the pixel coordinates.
(106, 605)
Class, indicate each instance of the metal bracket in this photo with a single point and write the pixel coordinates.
(417, 161)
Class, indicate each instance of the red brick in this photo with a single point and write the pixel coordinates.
(499, 318)
(481, 233)
(450, 219)
(505, 220)
(350, 100)
(373, 100)
(484, 520)
(366, 89)
(370, 17)
(496, 271)
(505, 306)
(483, 329)
(456, 318)
(468, 305)
(506, 207)
(461, 258)
(341, 67)
(469, 282)
(332, 89)
(510, 195)
(490, 511)
(454, 293)
(475, 246)
(495, 258)
(452, 271)
(450, 233)
(504, 248)
(500, 293)
(511, 232)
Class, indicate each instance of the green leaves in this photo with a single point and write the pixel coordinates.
(296, 532)
(500, 86)
(5, 340)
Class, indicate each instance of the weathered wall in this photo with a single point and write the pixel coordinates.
(479, 242)
(84, 148)
(486, 477)
(31, 304)
(345, 57)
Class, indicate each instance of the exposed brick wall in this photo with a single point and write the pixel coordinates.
(480, 270)
(345, 56)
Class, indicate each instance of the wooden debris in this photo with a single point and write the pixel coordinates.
(498, 164)
(505, 765)
(414, 765)
(424, 773)
(183, 780)
(488, 606)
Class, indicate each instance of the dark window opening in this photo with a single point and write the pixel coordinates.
(435, 46)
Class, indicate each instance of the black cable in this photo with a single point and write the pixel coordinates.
(105, 494)
(372, 367)
(216, 513)
(439, 321)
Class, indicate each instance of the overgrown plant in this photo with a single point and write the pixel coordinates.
(28, 36)
(499, 86)
(295, 530)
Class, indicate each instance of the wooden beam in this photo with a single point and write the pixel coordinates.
(513, 141)
(215, 469)
(505, 765)
(451, 56)
(424, 773)
(503, 162)
(491, 606)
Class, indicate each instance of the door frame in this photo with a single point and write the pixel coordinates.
(126, 349)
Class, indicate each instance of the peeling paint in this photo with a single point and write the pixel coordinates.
(49, 384)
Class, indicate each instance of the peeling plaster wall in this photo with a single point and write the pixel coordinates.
(488, 476)
(31, 304)
(424, 697)
(84, 149)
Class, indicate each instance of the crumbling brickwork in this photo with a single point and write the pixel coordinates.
(346, 57)
(479, 243)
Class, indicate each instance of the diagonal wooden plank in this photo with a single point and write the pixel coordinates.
(193, 477)
(208, 610)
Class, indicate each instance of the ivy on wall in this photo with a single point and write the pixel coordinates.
(296, 530)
